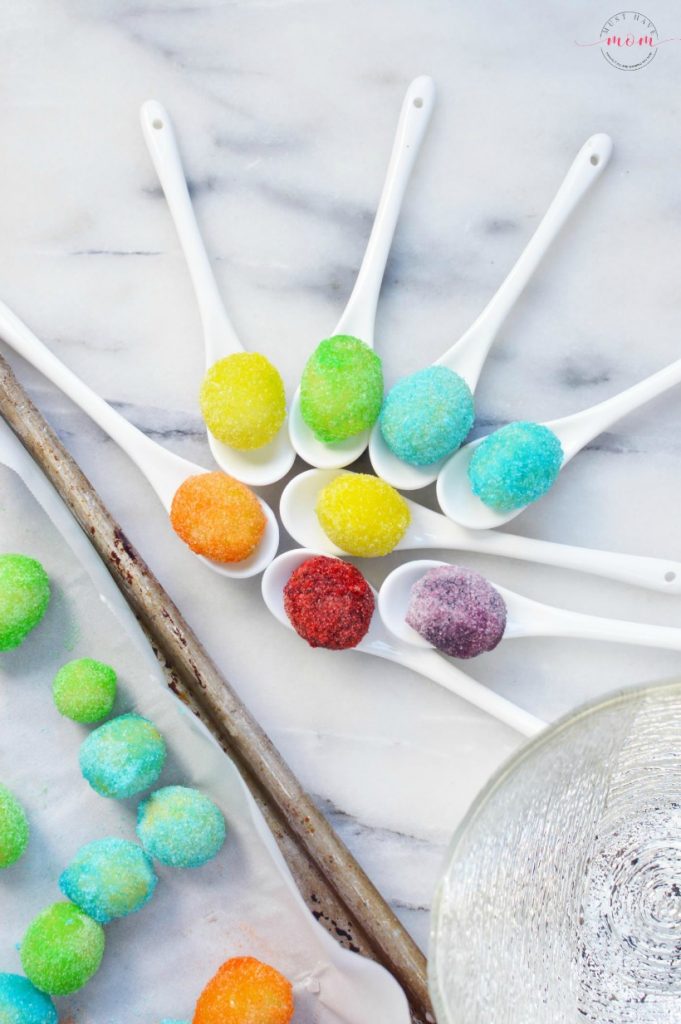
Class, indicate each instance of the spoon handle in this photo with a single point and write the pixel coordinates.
(435, 667)
(219, 334)
(164, 470)
(530, 618)
(577, 430)
(360, 313)
(469, 353)
(639, 570)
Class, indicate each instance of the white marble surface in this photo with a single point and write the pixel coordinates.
(285, 112)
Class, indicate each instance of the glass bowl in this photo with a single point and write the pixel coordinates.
(561, 899)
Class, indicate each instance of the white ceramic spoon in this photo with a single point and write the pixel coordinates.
(164, 470)
(381, 643)
(524, 616)
(260, 466)
(454, 492)
(359, 317)
(432, 530)
(468, 355)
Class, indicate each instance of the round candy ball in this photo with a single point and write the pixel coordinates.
(245, 991)
(515, 465)
(24, 596)
(180, 827)
(22, 1003)
(109, 878)
(362, 514)
(427, 415)
(218, 517)
(84, 690)
(13, 829)
(457, 610)
(243, 400)
(341, 389)
(123, 756)
(329, 603)
(62, 949)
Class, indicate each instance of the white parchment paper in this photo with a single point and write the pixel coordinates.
(242, 903)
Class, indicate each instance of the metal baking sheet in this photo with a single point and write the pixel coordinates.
(243, 903)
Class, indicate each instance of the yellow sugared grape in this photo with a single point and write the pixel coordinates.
(362, 514)
(243, 401)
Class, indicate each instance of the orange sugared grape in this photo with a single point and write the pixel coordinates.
(218, 517)
(245, 991)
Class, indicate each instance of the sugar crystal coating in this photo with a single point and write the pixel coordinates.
(329, 603)
(22, 1003)
(427, 415)
(362, 514)
(109, 878)
(123, 756)
(218, 517)
(84, 690)
(341, 389)
(62, 949)
(13, 830)
(24, 596)
(180, 827)
(515, 465)
(243, 400)
(457, 610)
(245, 991)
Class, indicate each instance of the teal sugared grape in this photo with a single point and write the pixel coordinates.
(515, 465)
(180, 827)
(109, 878)
(123, 756)
(427, 415)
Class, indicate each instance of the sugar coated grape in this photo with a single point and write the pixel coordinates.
(24, 596)
(329, 603)
(22, 1003)
(245, 991)
(180, 827)
(457, 610)
(62, 949)
(109, 878)
(362, 514)
(123, 756)
(341, 389)
(84, 690)
(218, 517)
(13, 829)
(243, 400)
(427, 415)
(515, 465)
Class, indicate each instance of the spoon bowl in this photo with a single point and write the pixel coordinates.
(359, 316)
(256, 467)
(574, 432)
(431, 530)
(467, 356)
(379, 642)
(316, 452)
(524, 617)
(259, 466)
(164, 470)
